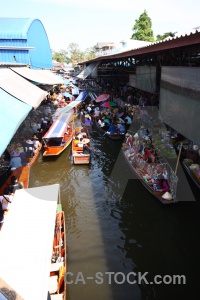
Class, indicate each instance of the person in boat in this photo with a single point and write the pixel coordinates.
(6, 200)
(15, 160)
(121, 129)
(36, 144)
(14, 185)
(148, 155)
(29, 147)
(86, 149)
(68, 129)
(82, 134)
(78, 142)
(100, 122)
(1, 216)
(113, 117)
(112, 129)
(161, 184)
(128, 121)
(97, 113)
(88, 121)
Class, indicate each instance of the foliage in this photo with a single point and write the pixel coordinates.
(75, 54)
(60, 56)
(165, 35)
(142, 28)
(90, 53)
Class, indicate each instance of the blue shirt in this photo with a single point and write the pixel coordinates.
(112, 129)
(121, 128)
(15, 162)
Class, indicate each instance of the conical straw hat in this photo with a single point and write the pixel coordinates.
(167, 196)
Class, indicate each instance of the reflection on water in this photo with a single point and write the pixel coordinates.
(110, 233)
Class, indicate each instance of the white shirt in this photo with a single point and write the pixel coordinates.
(5, 204)
(129, 121)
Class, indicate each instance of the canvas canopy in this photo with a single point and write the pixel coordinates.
(58, 128)
(21, 88)
(88, 70)
(40, 76)
(68, 95)
(13, 112)
(27, 238)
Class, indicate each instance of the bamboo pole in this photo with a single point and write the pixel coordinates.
(179, 154)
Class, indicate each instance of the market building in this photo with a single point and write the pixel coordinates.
(25, 72)
(170, 68)
(24, 41)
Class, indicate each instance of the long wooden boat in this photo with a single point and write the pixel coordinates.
(78, 154)
(147, 172)
(22, 173)
(59, 136)
(193, 174)
(116, 136)
(34, 214)
(57, 286)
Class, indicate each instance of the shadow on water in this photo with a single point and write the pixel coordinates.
(156, 240)
(116, 228)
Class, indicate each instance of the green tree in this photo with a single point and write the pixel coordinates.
(142, 28)
(60, 56)
(90, 53)
(76, 55)
(160, 37)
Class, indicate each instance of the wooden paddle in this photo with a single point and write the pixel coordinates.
(91, 150)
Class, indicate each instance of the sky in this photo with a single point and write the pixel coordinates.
(88, 22)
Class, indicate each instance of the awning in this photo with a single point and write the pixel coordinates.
(66, 108)
(88, 70)
(67, 82)
(59, 126)
(93, 96)
(40, 76)
(21, 88)
(68, 95)
(26, 241)
(82, 96)
(13, 112)
(75, 90)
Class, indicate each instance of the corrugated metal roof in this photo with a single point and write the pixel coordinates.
(20, 41)
(179, 40)
(14, 28)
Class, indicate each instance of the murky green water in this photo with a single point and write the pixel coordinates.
(116, 235)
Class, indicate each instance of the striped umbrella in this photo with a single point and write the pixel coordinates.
(102, 97)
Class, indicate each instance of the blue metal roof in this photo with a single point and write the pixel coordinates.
(14, 28)
(24, 40)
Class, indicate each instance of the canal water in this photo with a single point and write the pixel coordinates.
(118, 236)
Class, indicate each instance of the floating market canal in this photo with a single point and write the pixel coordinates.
(114, 233)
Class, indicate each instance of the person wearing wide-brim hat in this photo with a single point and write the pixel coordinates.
(29, 148)
(29, 142)
(37, 145)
